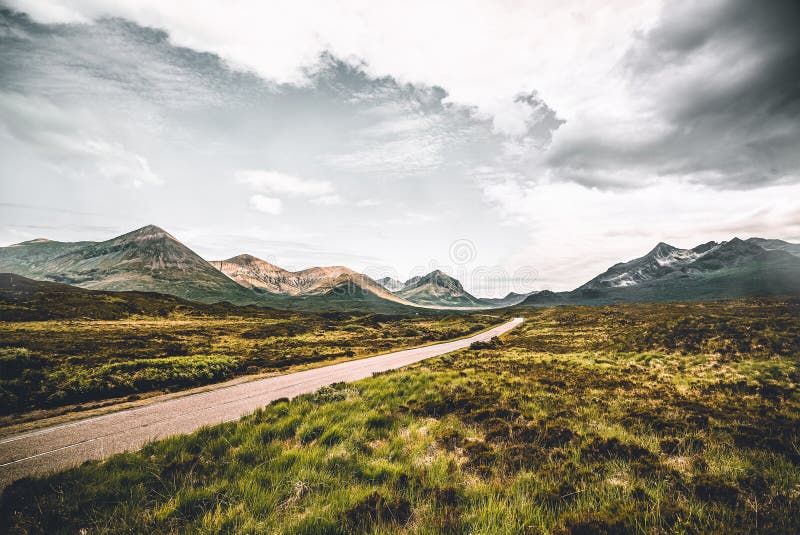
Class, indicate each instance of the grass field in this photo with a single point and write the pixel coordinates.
(55, 363)
(663, 418)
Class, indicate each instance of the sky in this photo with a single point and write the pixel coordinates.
(518, 145)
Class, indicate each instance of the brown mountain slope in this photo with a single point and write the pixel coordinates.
(258, 274)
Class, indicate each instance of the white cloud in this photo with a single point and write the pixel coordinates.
(71, 143)
(282, 183)
(268, 205)
(50, 12)
(566, 49)
(396, 157)
(328, 200)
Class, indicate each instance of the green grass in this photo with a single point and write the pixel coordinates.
(56, 363)
(582, 420)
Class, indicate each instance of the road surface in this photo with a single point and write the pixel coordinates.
(60, 446)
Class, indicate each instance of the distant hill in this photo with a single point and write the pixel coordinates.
(736, 268)
(438, 289)
(512, 298)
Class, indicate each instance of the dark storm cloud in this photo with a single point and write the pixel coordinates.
(721, 81)
(765, 33)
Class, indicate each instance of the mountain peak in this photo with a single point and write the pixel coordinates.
(242, 258)
(148, 232)
(246, 260)
(662, 248)
(390, 284)
(437, 288)
(704, 247)
(150, 229)
(737, 244)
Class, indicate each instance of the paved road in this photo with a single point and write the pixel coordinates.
(60, 446)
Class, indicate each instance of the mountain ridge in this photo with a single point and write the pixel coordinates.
(439, 289)
(150, 259)
(145, 259)
(729, 269)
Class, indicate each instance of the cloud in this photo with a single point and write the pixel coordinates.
(716, 101)
(282, 183)
(486, 56)
(397, 157)
(410, 218)
(328, 200)
(405, 130)
(268, 205)
(70, 143)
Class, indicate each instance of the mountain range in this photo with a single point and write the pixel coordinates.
(151, 260)
(263, 277)
(735, 268)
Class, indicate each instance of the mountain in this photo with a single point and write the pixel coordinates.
(148, 259)
(437, 289)
(361, 286)
(151, 260)
(736, 268)
(661, 260)
(335, 282)
(252, 272)
(393, 285)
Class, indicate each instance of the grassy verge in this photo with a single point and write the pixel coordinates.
(59, 363)
(582, 420)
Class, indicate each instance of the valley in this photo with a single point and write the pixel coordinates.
(629, 418)
(399, 268)
(56, 358)
(58, 446)
(634, 403)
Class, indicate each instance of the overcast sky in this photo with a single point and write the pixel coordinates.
(517, 145)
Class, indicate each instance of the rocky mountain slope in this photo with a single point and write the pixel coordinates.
(332, 281)
(253, 272)
(148, 259)
(393, 285)
(735, 268)
(438, 289)
(151, 260)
